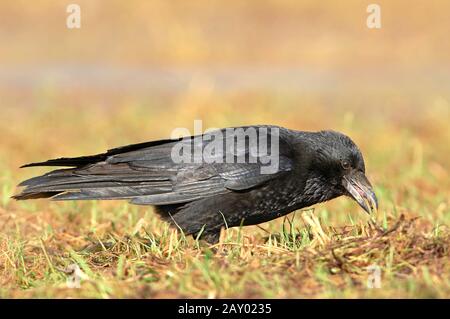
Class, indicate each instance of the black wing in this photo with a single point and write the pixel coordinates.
(146, 173)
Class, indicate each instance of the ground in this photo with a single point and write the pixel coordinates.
(330, 250)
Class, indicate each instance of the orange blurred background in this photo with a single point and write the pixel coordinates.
(138, 69)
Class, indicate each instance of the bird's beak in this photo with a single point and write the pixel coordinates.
(358, 187)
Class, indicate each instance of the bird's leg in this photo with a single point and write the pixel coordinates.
(211, 237)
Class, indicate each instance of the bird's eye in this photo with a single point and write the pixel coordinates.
(345, 164)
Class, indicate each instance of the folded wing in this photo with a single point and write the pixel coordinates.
(147, 173)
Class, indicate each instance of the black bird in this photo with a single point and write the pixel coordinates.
(214, 188)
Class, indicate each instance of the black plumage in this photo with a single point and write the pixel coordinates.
(204, 196)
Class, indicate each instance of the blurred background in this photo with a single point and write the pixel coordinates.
(136, 70)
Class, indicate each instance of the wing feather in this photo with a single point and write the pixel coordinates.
(146, 174)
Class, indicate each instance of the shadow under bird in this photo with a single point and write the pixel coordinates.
(203, 196)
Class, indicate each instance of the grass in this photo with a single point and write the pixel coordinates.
(304, 258)
(119, 250)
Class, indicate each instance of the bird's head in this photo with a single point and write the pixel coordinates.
(339, 163)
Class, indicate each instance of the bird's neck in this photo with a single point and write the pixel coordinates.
(318, 189)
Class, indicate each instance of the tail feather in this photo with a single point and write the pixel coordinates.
(71, 162)
(106, 176)
(65, 185)
(118, 192)
(24, 196)
(86, 160)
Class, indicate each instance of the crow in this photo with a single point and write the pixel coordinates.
(224, 178)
